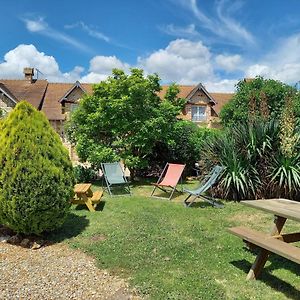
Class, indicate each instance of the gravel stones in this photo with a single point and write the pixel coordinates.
(56, 272)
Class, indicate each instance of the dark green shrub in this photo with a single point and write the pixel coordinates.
(36, 175)
(259, 97)
(182, 144)
(185, 143)
(261, 160)
(84, 174)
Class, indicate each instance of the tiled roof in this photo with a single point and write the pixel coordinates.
(46, 96)
(8, 92)
(184, 91)
(221, 99)
(55, 91)
(33, 92)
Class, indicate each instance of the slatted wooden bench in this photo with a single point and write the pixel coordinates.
(268, 244)
(274, 244)
(96, 198)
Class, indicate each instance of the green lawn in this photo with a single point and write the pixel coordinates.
(167, 251)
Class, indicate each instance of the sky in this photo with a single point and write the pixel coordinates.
(215, 42)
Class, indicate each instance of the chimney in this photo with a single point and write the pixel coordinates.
(29, 72)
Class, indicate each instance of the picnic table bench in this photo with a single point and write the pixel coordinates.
(274, 241)
(84, 195)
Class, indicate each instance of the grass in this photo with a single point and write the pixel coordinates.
(167, 251)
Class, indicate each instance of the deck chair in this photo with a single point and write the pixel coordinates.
(169, 178)
(205, 185)
(114, 177)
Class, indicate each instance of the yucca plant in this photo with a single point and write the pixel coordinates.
(246, 152)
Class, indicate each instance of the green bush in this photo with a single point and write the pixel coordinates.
(185, 142)
(84, 174)
(36, 175)
(182, 144)
(257, 98)
(261, 160)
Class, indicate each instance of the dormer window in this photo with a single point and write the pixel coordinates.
(198, 113)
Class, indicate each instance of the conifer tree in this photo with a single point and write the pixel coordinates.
(36, 177)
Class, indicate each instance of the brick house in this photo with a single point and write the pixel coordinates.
(56, 100)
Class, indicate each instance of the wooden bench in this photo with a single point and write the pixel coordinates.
(275, 244)
(96, 198)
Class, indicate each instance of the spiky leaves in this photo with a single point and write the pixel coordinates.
(36, 177)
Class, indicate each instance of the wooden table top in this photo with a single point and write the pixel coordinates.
(82, 188)
(280, 207)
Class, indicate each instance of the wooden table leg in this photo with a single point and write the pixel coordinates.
(263, 255)
(88, 203)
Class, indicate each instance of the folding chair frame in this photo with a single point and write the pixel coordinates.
(211, 200)
(163, 188)
(109, 186)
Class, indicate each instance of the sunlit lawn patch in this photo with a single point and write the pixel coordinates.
(168, 251)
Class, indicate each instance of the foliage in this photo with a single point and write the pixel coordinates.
(182, 145)
(83, 174)
(36, 178)
(259, 97)
(123, 119)
(166, 251)
(261, 159)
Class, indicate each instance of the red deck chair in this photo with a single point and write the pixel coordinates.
(169, 178)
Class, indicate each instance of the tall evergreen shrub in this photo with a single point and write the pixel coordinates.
(36, 176)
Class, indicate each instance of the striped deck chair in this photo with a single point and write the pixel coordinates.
(114, 177)
(204, 186)
(169, 178)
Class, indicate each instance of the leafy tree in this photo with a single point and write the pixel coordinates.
(124, 119)
(257, 98)
(36, 175)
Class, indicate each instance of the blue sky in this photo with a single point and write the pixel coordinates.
(186, 41)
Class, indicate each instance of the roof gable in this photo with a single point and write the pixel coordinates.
(4, 90)
(197, 88)
(77, 85)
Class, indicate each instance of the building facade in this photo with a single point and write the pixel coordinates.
(57, 100)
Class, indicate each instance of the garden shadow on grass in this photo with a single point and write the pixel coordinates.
(72, 227)
(99, 207)
(273, 281)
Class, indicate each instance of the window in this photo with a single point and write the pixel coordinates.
(73, 106)
(198, 113)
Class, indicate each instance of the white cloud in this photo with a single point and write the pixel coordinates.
(41, 27)
(28, 56)
(105, 64)
(222, 86)
(93, 77)
(35, 25)
(229, 62)
(89, 30)
(185, 32)
(223, 24)
(282, 63)
(182, 61)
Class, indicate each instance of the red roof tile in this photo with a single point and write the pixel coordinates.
(33, 92)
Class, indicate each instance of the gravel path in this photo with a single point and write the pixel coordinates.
(56, 272)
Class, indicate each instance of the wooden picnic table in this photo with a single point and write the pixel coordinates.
(275, 241)
(84, 195)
